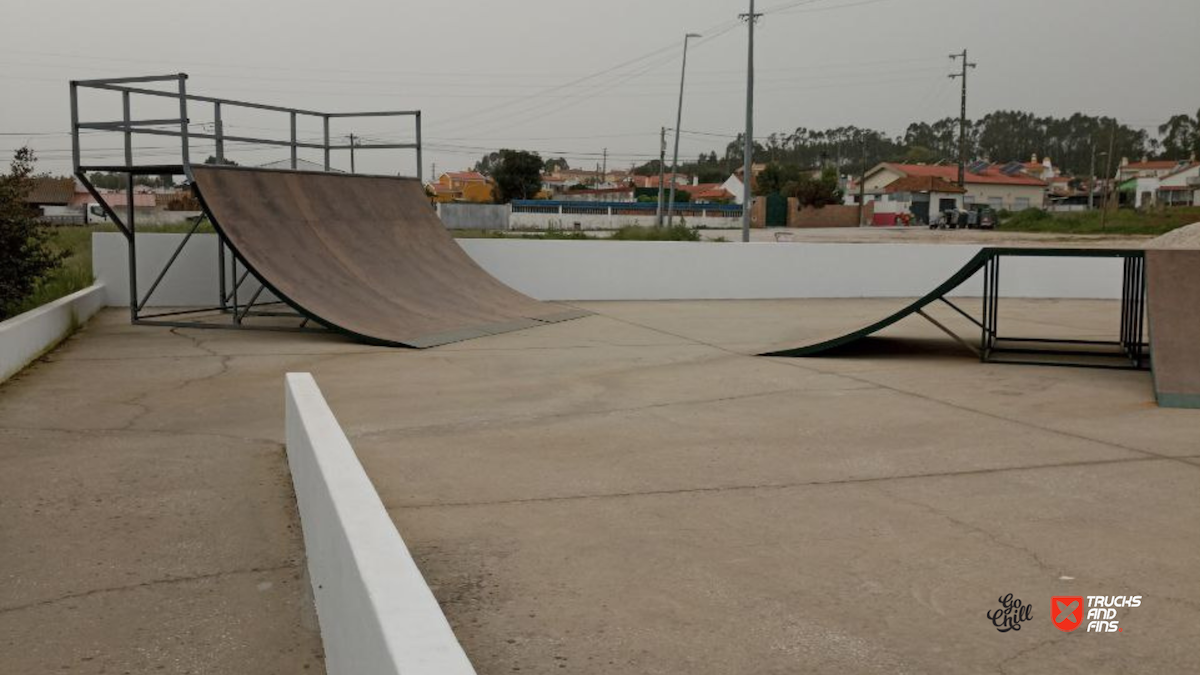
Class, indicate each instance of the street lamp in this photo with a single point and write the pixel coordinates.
(678, 121)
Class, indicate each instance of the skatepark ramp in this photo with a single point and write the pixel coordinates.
(365, 255)
(1128, 350)
(362, 255)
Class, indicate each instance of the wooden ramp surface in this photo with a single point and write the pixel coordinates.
(366, 255)
(1173, 303)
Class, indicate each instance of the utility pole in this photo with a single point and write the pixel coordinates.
(1112, 137)
(662, 163)
(1092, 179)
(748, 160)
(678, 122)
(433, 171)
(962, 120)
(862, 184)
(604, 171)
(352, 154)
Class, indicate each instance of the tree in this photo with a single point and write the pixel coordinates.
(518, 175)
(773, 178)
(1181, 136)
(223, 162)
(816, 191)
(555, 164)
(26, 257)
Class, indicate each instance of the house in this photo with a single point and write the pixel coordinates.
(922, 196)
(1138, 182)
(52, 196)
(1180, 188)
(998, 187)
(462, 186)
(679, 179)
(617, 194)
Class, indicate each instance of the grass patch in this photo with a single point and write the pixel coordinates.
(1122, 221)
(76, 273)
(647, 233)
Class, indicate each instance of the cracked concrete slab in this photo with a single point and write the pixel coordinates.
(632, 492)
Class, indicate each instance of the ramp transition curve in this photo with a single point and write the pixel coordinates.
(365, 255)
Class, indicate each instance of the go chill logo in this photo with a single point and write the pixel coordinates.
(1101, 612)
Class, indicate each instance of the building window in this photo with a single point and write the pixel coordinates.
(996, 202)
(1021, 204)
(968, 199)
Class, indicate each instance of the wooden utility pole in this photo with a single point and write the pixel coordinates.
(662, 164)
(352, 154)
(862, 185)
(1092, 179)
(962, 120)
(1112, 137)
(748, 159)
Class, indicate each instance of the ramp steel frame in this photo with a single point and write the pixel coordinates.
(1130, 349)
(231, 310)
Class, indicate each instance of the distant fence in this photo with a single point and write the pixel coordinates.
(567, 215)
(474, 216)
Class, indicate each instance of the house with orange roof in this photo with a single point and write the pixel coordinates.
(462, 186)
(986, 183)
(1181, 187)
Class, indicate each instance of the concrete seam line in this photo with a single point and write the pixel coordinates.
(26, 337)
(377, 614)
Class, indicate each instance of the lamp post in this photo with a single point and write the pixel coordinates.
(678, 122)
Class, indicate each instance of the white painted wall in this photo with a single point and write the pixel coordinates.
(633, 270)
(617, 270)
(376, 612)
(192, 281)
(25, 337)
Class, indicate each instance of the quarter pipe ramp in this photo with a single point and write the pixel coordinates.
(365, 255)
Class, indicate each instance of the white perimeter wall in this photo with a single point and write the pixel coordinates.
(376, 612)
(619, 270)
(27, 336)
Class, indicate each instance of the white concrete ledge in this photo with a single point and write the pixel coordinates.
(376, 612)
(27, 336)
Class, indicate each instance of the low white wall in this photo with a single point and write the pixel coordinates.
(637, 270)
(191, 282)
(610, 221)
(376, 612)
(618, 270)
(27, 336)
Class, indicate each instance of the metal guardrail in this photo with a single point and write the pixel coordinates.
(179, 127)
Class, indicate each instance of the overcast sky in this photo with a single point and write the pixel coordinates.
(490, 74)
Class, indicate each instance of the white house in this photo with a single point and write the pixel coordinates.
(1181, 188)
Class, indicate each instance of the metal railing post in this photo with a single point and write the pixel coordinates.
(326, 118)
(129, 217)
(75, 127)
(183, 127)
(293, 116)
(219, 132)
(420, 161)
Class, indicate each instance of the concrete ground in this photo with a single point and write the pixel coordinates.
(627, 493)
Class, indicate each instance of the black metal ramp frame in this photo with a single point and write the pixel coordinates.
(1129, 350)
(230, 310)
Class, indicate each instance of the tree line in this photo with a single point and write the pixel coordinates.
(1001, 136)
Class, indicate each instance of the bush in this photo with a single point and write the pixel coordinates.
(26, 256)
(679, 232)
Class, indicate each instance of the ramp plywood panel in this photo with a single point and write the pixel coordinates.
(363, 254)
(1173, 311)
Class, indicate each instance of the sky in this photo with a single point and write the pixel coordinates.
(576, 79)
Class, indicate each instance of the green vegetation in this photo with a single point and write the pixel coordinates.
(646, 233)
(26, 256)
(1122, 221)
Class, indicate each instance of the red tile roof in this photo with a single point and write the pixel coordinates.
(990, 176)
(467, 176)
(923, 184)
(51, 191)
(1156, 165)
